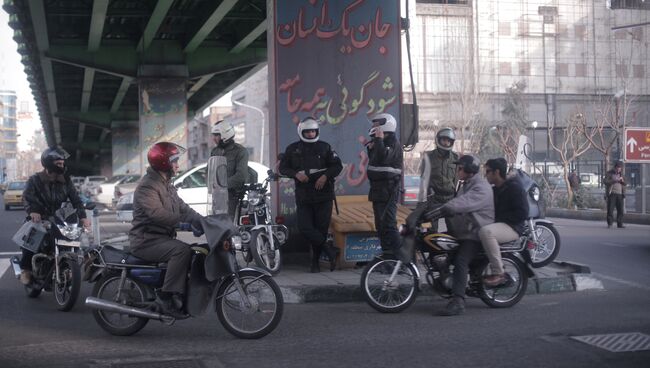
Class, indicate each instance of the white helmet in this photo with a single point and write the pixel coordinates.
(225, 129)
(386, 122)
(308, 124)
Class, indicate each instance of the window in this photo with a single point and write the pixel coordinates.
(629, 4)
(581, 70)
(17, 185)
(524, 68)
(639, 71)
(504, 29)
(580, 31)
(562, 69)
(196, 179)
(621, 70)
(620, 34)
(505, 69)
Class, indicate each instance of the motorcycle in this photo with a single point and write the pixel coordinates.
(391, 284)
(57, 244)
(261, 234)
(248, 302)
(544, 240)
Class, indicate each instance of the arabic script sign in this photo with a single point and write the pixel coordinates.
(637, 145)
(338, 61)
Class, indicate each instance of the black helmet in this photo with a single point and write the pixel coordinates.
(53, 154)
(618, 163)
(445, 133)
(469, 163)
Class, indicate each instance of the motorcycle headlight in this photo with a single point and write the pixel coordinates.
(535, 192)
(72, 232)
(281, 236)
(254, 198)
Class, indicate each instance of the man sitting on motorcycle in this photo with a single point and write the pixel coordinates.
(157, 210)
(473, 208)
(511, 211)
(43, 195)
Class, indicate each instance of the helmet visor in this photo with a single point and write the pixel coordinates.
(176, 155)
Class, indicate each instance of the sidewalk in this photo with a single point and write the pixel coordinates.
(300, 286)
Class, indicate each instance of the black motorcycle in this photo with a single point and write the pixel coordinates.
(262, 234)
(57, 245)
(391, 284)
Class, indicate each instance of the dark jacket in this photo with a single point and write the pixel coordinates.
(511, 205)
(44, 194)
(236, 164)
(438, 173)
(314, 159)
(385, 163)
(157, 209)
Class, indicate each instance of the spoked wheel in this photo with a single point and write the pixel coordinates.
(133, 294)
(510, 293)
(385, 295)
(265, 256)
(260, 315)
(66, 289)
(547, 246)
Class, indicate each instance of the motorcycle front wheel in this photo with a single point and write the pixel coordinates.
(547, 247)
(265, 256)
(256, 312)
(509, 294)
(388, 296)
(132, 294)
(66, 290)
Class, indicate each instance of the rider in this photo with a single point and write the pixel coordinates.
(157, 209)
(438, 173)
(511, 211)
(223, 134)
(314, 165)
(385, 163)
(43, 195)
(473, 208)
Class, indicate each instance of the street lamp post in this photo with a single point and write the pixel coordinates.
(534, 125)
(263, 123)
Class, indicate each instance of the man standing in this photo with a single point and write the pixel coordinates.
(510, 212)
(313, 165)
(473, 208)
(385, 163)
(438, 173)
(223, 134)
(614, 194)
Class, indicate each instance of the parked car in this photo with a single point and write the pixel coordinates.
(411, 189)
(90, 186)
(77, 181)
(107, 192)
(13, 196)
(191, 186)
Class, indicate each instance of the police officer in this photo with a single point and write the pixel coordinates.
(314, 166)
(438, 173)
(384, 170)
(223, 134)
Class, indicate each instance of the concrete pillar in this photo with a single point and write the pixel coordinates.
(126, 151)
(163, 108)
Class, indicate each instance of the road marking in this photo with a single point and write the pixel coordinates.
(4, 266)
(10, 253)
(621, 281)
(617, 343)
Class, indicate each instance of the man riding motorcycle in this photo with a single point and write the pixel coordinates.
(43, 195)
(157, 209)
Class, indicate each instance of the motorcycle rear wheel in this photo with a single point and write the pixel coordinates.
(265, 257)
(509, 294)
(385, 296)
(547, 246)
(66, 292)
(265, 312)
(133, 294)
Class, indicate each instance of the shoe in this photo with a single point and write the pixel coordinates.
(25, 277)
(332, 253)
(621, 226)
(165, 304)
(493, 281)
(456, 306)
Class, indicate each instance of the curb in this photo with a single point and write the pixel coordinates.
(596, 215)
(578, 279)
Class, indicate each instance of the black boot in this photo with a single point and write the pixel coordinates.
(455, 307)
(331, 252)
(170, 304)
(315, 258)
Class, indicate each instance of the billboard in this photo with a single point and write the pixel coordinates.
(339, 62)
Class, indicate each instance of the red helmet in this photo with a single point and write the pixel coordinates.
(162, 154)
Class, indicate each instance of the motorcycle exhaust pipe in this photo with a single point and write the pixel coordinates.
(101, 304)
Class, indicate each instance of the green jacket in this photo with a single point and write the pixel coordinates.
(237, 163)
(438, 176)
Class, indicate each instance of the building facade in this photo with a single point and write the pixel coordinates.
(8, 135)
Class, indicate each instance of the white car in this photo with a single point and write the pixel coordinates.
(105, 196)
(90, 186)
(192, 188)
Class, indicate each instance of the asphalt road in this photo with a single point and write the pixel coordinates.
(536, 333)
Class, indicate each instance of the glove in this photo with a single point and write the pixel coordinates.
(197, 228)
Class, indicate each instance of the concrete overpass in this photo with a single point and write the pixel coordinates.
(103, 71)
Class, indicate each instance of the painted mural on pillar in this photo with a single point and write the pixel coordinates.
(126, 151)
(338, 61)
(163, 115)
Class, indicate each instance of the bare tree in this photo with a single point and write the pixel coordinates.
(571, 143)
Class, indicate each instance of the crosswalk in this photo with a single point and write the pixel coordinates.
(4, 266)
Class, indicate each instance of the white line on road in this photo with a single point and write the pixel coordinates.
(4, 266)
(621, 281)
(10, 253)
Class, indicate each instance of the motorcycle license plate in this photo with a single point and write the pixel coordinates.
(68, 243)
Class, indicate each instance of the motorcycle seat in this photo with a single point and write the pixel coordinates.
(114, 255)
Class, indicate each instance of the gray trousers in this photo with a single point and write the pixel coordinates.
(177, 255)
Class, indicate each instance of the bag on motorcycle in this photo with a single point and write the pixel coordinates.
(30, 236)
